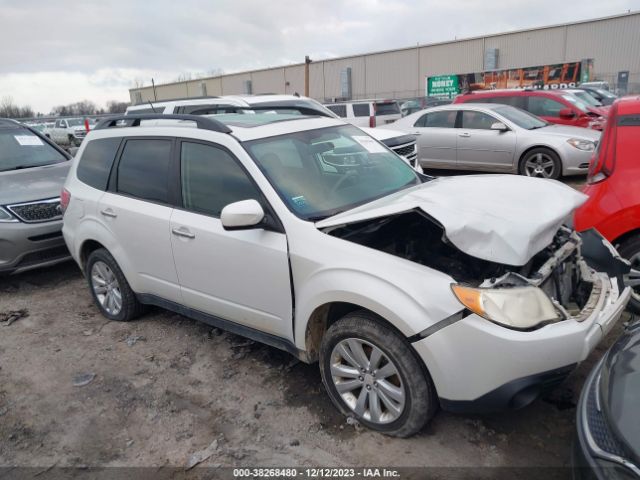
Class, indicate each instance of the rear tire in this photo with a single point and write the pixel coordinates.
(110, 290)
(541, 163)
(630, 249)
(387, 390)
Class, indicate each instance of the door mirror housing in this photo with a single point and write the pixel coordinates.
(499, 126)
(242, 215)
(566, 113)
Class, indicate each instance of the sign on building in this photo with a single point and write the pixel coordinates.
(445, 86)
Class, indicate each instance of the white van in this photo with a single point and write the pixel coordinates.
(367, 113)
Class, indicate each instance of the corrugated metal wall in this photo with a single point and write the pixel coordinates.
(611, 42)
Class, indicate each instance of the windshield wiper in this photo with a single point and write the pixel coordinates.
(18, 167)
(535, 127)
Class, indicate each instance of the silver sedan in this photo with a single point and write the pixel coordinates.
(498, 138)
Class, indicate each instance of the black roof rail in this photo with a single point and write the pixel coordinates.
(134, 120)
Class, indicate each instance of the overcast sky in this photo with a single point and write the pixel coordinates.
(60, 52)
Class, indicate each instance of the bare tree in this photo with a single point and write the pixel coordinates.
(84, 107)
(9, 109)
(114, 106)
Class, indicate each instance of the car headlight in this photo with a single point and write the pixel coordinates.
(585, 145)
(517, 307)
(6, 216)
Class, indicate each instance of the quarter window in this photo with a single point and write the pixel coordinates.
(95, 165)
(361, 109)
(143, 171)
(443, 119)
(340, 110)
(477, 120)
(212, 179)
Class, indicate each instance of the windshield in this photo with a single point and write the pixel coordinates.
(74, 122)
(577, 102)
(20, 148)
(319, 173)
(605, 93)
(588, 99)
(520, 117)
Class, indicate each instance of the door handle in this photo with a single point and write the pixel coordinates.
(465, 135)
(183, 232)
(107, 212)
(416, 133)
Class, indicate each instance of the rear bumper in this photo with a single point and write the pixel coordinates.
(26, 246)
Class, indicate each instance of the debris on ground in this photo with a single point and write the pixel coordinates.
(202, 455)
(7, 318)
(133, 339)
(294, 443)
(83, 379)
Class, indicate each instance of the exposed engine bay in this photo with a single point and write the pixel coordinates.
(559, 269)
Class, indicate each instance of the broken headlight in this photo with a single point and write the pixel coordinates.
(517, 307)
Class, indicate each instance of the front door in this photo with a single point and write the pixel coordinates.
(480, 147)
(242, 275)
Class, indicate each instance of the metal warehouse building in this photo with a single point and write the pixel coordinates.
(612, 44)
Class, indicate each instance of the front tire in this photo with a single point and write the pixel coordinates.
(371, 373)
(541, 163)
(110, 290)
(630, 249)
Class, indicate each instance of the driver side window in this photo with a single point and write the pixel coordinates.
(211, 179)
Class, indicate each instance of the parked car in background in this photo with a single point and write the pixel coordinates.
(498, 138)
(367, 113)
(401, 143)
(411, 292)
(607, 444)
(613, 187)
(32, 172)
(596, 84)
(603, 96)
(411, 106)
(550, 105)
(594, 105)
(68, 132)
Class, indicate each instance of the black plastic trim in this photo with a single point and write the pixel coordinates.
(513, 395)
(203, 123)
(228, 325)
(451, 319)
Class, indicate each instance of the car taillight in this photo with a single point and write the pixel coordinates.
(604, 158)
(65, 198)
(372, 121)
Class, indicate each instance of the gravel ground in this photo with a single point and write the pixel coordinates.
(78, 390)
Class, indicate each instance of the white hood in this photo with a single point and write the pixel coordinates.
(501, 218)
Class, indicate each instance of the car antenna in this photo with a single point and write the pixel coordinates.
(152, 107)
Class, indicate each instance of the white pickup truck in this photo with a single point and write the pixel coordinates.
(68, 132)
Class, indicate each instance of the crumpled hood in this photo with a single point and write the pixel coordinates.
(500, 218)
(29, 184)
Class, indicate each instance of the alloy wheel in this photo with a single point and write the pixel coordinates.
(632, 279)
(368, 381)
(540, 165)
(106, 288)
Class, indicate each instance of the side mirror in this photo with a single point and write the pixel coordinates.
(241, 215)
(566, 113)
(501, 127)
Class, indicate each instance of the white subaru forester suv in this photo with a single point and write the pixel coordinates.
(304, 233)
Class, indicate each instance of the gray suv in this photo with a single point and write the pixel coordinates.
(32, 172)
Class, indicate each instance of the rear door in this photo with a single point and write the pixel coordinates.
(437, 138)
(242, 275)
(137, 210)
(479, 147)
(361, 114)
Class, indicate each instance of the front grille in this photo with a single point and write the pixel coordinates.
(35, 212)
(598, 427)
(404, 150)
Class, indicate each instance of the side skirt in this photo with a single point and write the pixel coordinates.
(229, 326)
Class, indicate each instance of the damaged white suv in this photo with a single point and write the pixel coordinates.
(306, 234)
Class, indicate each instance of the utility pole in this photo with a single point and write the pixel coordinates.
(307, 61)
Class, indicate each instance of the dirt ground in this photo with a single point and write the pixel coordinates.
(78, 390)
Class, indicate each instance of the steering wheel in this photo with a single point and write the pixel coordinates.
(350, 174)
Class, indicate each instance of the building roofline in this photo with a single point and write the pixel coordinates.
(401, 49)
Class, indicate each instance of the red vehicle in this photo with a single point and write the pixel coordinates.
(613, 187)
(554, 106)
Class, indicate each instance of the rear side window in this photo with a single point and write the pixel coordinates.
(96, 162)
(139, 111)
(545, 107)
(212, 179)
(361, 109)
(143, 171)
(444, 119)
(389, 108)
(207, 109)
(515, 101)
(340, 110)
